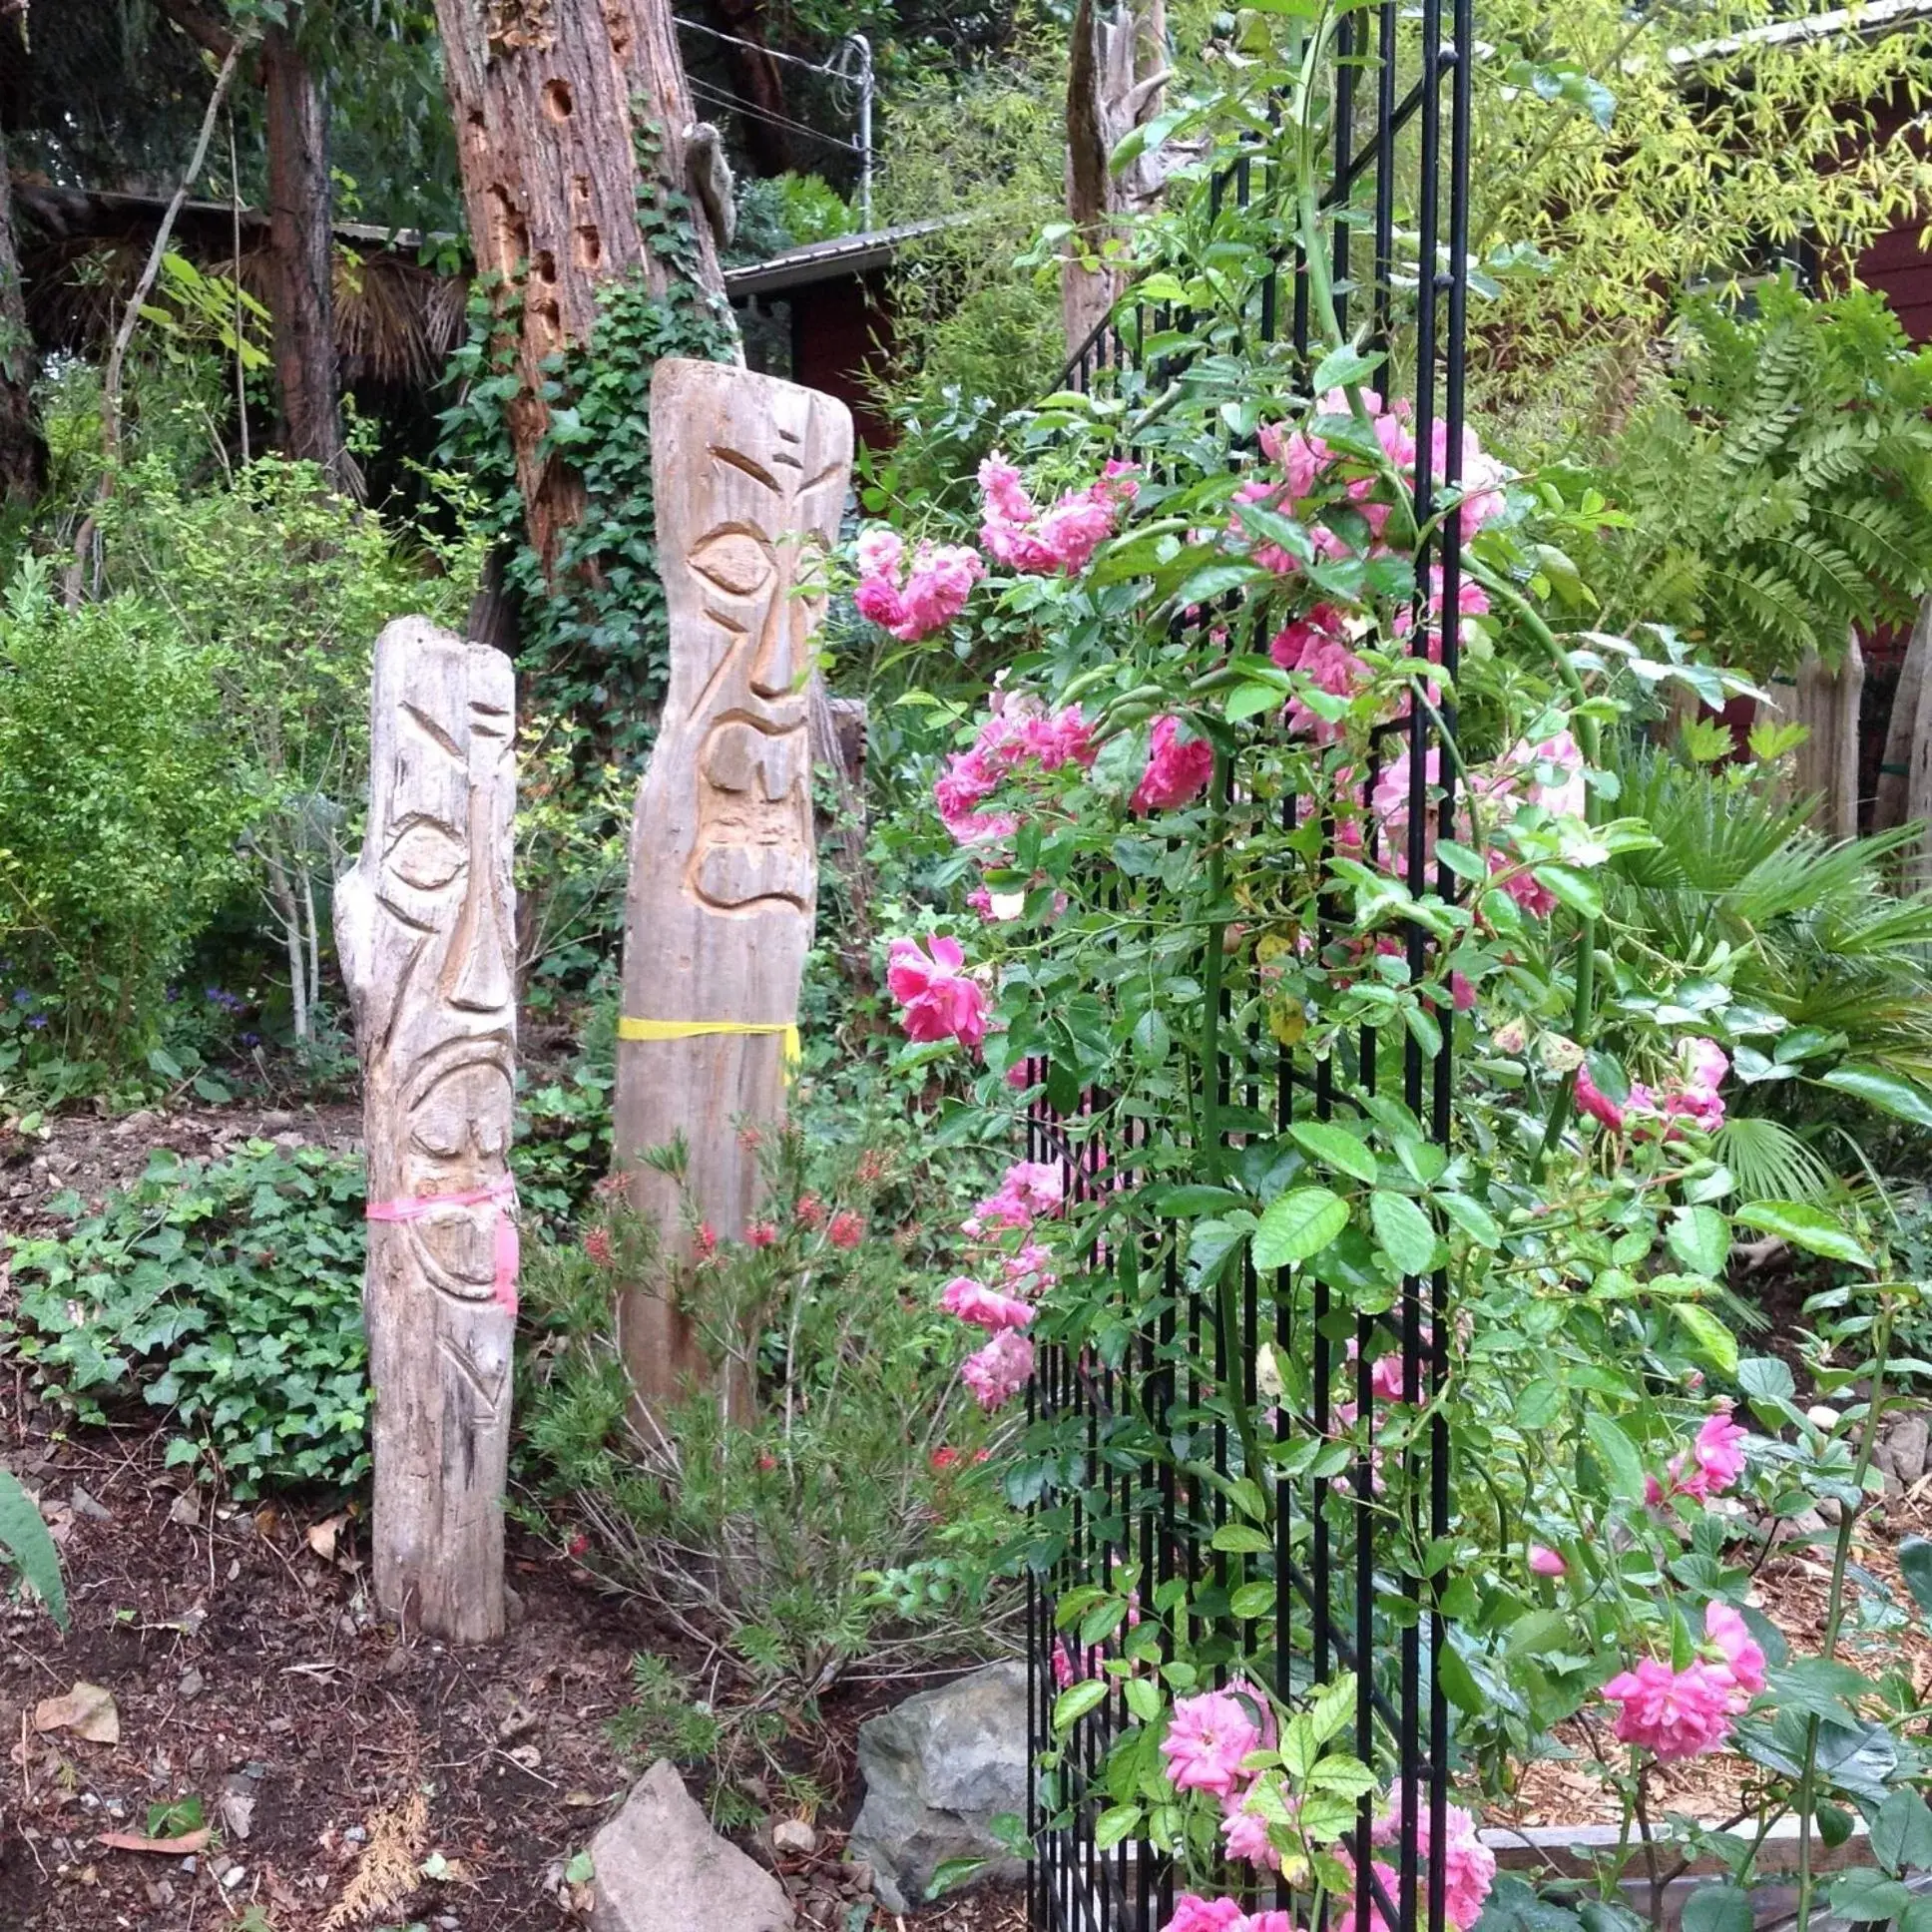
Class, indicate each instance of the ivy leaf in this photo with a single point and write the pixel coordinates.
(1808, 1227)
(1402, 1232)
(1298, 1224)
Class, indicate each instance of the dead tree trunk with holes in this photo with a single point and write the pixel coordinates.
(560, 105)
(1117, 67)
(302, 237)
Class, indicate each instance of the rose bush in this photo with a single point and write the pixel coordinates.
(1287, 767)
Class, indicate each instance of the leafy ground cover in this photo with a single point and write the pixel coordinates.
(256, 1694)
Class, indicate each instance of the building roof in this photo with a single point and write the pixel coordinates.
(834, 261)
(1868, 21)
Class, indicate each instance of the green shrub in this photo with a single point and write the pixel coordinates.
(851, 1517)
(230, 1295)
(121, 802)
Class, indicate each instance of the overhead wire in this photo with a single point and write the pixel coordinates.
(720, 97)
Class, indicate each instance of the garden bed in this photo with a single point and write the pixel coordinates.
(253, 1686)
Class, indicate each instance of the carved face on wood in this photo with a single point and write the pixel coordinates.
(766, 464)
(437, 983)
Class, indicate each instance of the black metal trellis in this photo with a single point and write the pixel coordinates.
(1346, 1595)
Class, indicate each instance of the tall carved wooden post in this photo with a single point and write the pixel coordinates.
(751, 476)
(424, 927)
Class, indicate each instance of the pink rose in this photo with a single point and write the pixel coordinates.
(999, 1370)
(1744, 1659)
(983, 1306)
(1673, 1713)
(940, 1002)
(1178, 769)
(1207, 1738)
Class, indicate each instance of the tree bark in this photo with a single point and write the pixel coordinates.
(23, 449)
(1115, 74)
(301, 236)
(549, 99)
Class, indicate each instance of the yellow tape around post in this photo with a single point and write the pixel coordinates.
(630, 1029)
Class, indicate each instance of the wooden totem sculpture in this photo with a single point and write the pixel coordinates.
(424, 926)
(751, 476)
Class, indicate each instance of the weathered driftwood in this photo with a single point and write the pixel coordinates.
(751, 476)
(1910, 728)
(1825, 703)
(424, 927)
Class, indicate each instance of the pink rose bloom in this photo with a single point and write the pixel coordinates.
(1480, 480)
(1195, 1914)
(1178, 769)
(984, 1307)
(999, 1370)
(1673, 1713)
(1347, 1915)
(1027, 1272)
(1555, 771)
(1718, 1456)
(1544, 1562)
(1206, 1739)
(912, 605)
(1027, 1188)
(1245, 1834)
(1744, 1659)
(1385, 1377)
(1591, 1100)
(1316, 645)
(1706, 1065)
(1066, 536)
(940, 1002)
(1468, 1865)
(1301, 458)
(1462, 991)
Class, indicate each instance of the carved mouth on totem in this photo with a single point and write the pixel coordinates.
(754, 843)
(459, 1106)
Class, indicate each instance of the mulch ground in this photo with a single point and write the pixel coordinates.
(350, 1778)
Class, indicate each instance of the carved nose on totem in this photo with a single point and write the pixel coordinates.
(482, 982)
(774, 668)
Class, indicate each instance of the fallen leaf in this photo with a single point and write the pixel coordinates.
(189, 1841)
(87, 1710)
(322, 1536)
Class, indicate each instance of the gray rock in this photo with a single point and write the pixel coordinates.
(938, 1769)
(660, 1867)
(1907, 1443)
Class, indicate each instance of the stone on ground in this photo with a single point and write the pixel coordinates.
(660, 1867)
(938, 1769)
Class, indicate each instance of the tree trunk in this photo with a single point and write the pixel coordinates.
(23, 449)
(559, 106)
(1115, 71)
(761, 81)
(302, 239)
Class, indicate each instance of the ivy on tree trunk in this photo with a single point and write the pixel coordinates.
(549, 97)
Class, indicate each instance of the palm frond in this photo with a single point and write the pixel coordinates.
(1770, 1162)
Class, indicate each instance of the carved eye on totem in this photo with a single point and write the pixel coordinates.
(427, 855)
(735, 561)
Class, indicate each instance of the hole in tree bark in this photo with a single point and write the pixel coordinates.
(590, 247)
(556, 99)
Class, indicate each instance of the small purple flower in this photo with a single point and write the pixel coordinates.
(226, 1001)
(249, 1039)
(37, 1019)
(22, 997)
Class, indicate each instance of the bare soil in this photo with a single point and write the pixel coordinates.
(350, 1776)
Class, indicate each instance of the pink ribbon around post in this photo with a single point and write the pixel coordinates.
(500, 1194)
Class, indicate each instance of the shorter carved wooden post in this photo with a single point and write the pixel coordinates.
(750, 475)
(424, 927)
